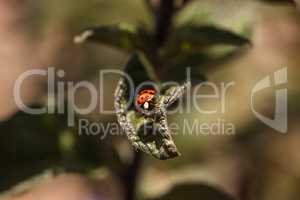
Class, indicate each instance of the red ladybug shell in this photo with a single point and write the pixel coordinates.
(145, 95)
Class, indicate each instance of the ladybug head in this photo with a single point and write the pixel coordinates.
(145, 98)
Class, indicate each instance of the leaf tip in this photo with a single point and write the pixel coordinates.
(83, 37)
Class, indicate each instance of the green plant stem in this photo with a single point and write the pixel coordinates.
(131, 176)
(163, 22)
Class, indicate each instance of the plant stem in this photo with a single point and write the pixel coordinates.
(163, 22)
(131, 176)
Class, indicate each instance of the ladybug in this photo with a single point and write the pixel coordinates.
(145, 98)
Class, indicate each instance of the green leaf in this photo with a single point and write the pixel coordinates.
(123, 36)
(191, 38)
(140, 69)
